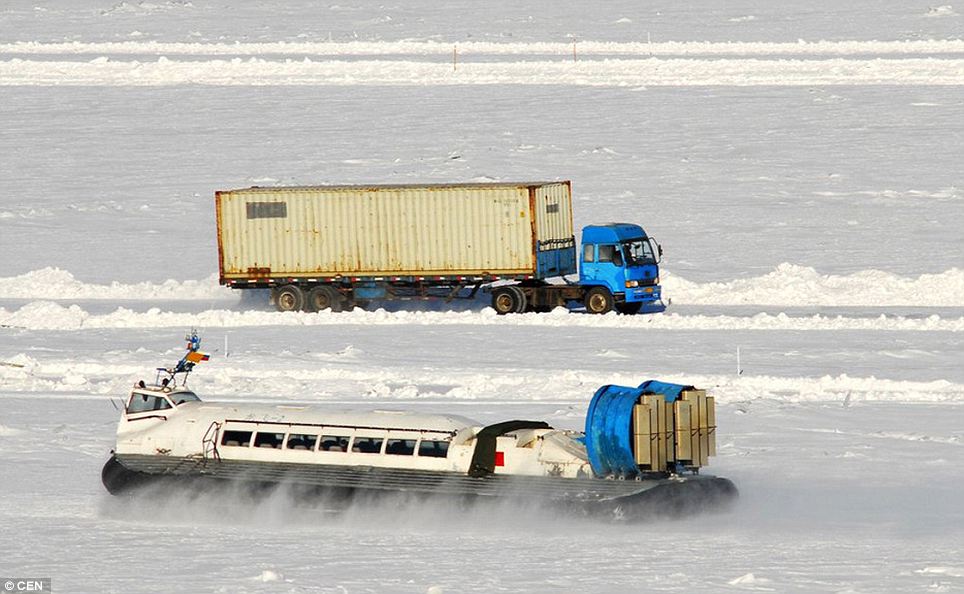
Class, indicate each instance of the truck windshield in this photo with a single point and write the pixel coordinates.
(638, 252)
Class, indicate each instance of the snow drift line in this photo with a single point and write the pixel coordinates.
(788, 285)
(358, 385)
(54, 283)
(603, 73)
(45, 315)
(433, 48)
(802, 286)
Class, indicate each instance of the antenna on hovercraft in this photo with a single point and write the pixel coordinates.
(185, 365)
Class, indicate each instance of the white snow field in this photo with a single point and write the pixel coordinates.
(800, 162)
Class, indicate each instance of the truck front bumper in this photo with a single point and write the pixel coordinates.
(650, 297)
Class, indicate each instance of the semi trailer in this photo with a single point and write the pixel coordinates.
(337, 247)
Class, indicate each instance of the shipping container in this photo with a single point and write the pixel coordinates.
(487, 230)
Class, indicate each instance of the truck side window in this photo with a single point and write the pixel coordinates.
(610, 253)
(588, 253)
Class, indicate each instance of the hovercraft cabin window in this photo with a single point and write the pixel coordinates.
(236, 438)
(268, 440)
(367, 445)
(302, 441)
(267, 210)
(334, 443)
(433, 449)
(400, 447)
(145, 402)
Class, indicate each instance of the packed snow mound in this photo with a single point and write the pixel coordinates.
(54, 283)
(9, 431)
(944, 10)
(791, 285)
(748, 580)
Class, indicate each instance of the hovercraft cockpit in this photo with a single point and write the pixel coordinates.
(165, 393)
(146, 398)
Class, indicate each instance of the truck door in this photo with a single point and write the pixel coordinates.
(587, 268)
(610, 267)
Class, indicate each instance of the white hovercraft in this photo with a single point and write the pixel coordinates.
(641, 453)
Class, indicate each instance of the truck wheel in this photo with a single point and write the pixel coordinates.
(520, 299)
(599, 300)
(289, 298)
(629, 308)
(322, 298)
(506, 300)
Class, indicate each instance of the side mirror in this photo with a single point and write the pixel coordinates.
(657, 249)
(618, 258)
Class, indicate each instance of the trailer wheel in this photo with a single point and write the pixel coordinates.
(520, 299)
(506, 300)
(290, 298)
(629, 308)
(322, 298)
(599, 300)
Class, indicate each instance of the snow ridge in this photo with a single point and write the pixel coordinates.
(792, 285)
(787, 285)
(46, 315)
(331, 382)
(927, 47)
(651, 71)
(54, 283)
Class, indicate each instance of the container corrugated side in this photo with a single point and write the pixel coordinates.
(553, 213)
(382, 230)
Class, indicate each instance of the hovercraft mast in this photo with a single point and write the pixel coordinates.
(185, 365)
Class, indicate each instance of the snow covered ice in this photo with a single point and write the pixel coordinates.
(799, 162)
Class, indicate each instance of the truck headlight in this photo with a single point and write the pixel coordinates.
(631, 284)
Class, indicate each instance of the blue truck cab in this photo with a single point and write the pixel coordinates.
(621, 260)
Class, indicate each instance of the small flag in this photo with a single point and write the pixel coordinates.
(197, 356)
